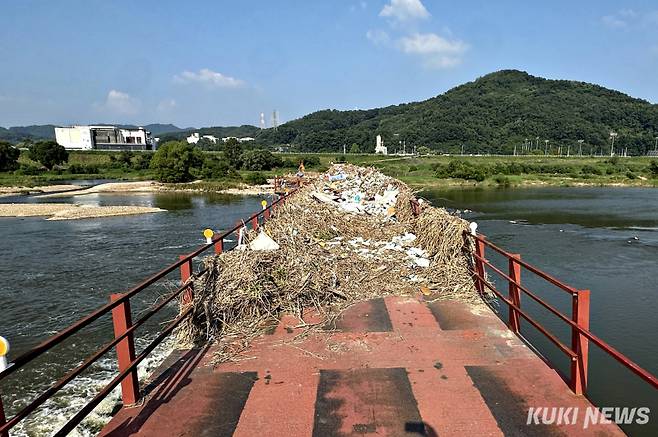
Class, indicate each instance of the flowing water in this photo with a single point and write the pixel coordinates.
(601, 239)
(54, 272)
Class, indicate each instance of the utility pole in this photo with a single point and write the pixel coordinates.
(545, 147)
(656, 146)
(613, 135)
(462, 150)
(580, 144)
(537, 138)
(514, 149)
(568, 150)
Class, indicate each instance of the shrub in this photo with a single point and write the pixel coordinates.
(653, 168)
(341, 159)
(48, 153)
(28, 170)
(8, 157)
(143, 161)
(412, 168)
(631, 175)
(502, 180)
(590, 170)
(309, 160)
(255, 178)
(256, 160)
(83, 169)
(175, 161)
(214, 168)
(462, 170)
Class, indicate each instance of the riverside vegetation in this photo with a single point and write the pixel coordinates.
(178, 162)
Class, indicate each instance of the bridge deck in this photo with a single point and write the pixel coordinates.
(394, 366)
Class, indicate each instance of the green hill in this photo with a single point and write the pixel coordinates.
(488, 115)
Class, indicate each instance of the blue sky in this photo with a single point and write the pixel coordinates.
(209, 63)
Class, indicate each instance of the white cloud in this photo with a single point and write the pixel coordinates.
(377, 36)
(614, 22)
(166, 105)
(436, 51)
(404, 10)
(118, 102)
(209, 78)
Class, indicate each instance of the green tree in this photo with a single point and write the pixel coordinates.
(8, 156)
(257, 160)
(424, 150)
(214, 168)
(233, 152)
(175, 161)
(48, 153)
(354, 148)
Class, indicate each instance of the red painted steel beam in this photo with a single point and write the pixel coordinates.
(579, 342)
(514, 293)
(122, 321)
(3, 419)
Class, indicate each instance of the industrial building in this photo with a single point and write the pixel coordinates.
(104, 138)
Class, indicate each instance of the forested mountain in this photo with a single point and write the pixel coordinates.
(491, 114)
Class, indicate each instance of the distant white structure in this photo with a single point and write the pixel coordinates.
(241, 140)
(380, 149)
(104, 138)
(195, 137)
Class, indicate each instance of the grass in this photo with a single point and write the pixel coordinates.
(419, 172)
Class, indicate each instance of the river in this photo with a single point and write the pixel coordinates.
(602, 239)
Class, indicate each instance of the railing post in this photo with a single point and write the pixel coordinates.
(514, 292)
(479, 264)
(254, 223)
(580, 343)
(125, 350)
(219, 246)
(185, 274)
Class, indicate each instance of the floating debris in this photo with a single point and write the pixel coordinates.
(347, 236)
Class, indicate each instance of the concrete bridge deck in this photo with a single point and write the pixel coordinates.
(391, 367)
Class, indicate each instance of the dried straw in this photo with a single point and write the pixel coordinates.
(321, 267)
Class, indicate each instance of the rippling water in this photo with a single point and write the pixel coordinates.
(602, 239)
(55, 272)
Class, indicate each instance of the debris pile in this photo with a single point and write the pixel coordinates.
(350, 235)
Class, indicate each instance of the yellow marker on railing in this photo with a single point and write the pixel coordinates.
(4, 350)
(264, 204)
(208, 233)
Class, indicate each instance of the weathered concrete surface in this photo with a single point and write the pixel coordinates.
(392, 367)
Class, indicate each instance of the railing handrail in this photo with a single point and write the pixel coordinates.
(74, 328)
(618, 356)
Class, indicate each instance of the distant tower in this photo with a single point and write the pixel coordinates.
(262, 120)
(275, 119)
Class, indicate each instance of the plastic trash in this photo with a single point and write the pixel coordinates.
(263, 243)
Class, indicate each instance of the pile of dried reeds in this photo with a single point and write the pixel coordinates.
(328, 259)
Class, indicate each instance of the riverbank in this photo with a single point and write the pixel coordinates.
(220, 187)
(65, 211)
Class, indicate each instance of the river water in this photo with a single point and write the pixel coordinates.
(601, 239)
(55, 272)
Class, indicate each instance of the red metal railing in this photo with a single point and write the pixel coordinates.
(578, 351)
(124, 329)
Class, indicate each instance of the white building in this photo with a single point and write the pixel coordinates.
(194, 138)
(241, 140)
(104, 138)
(379, 147)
